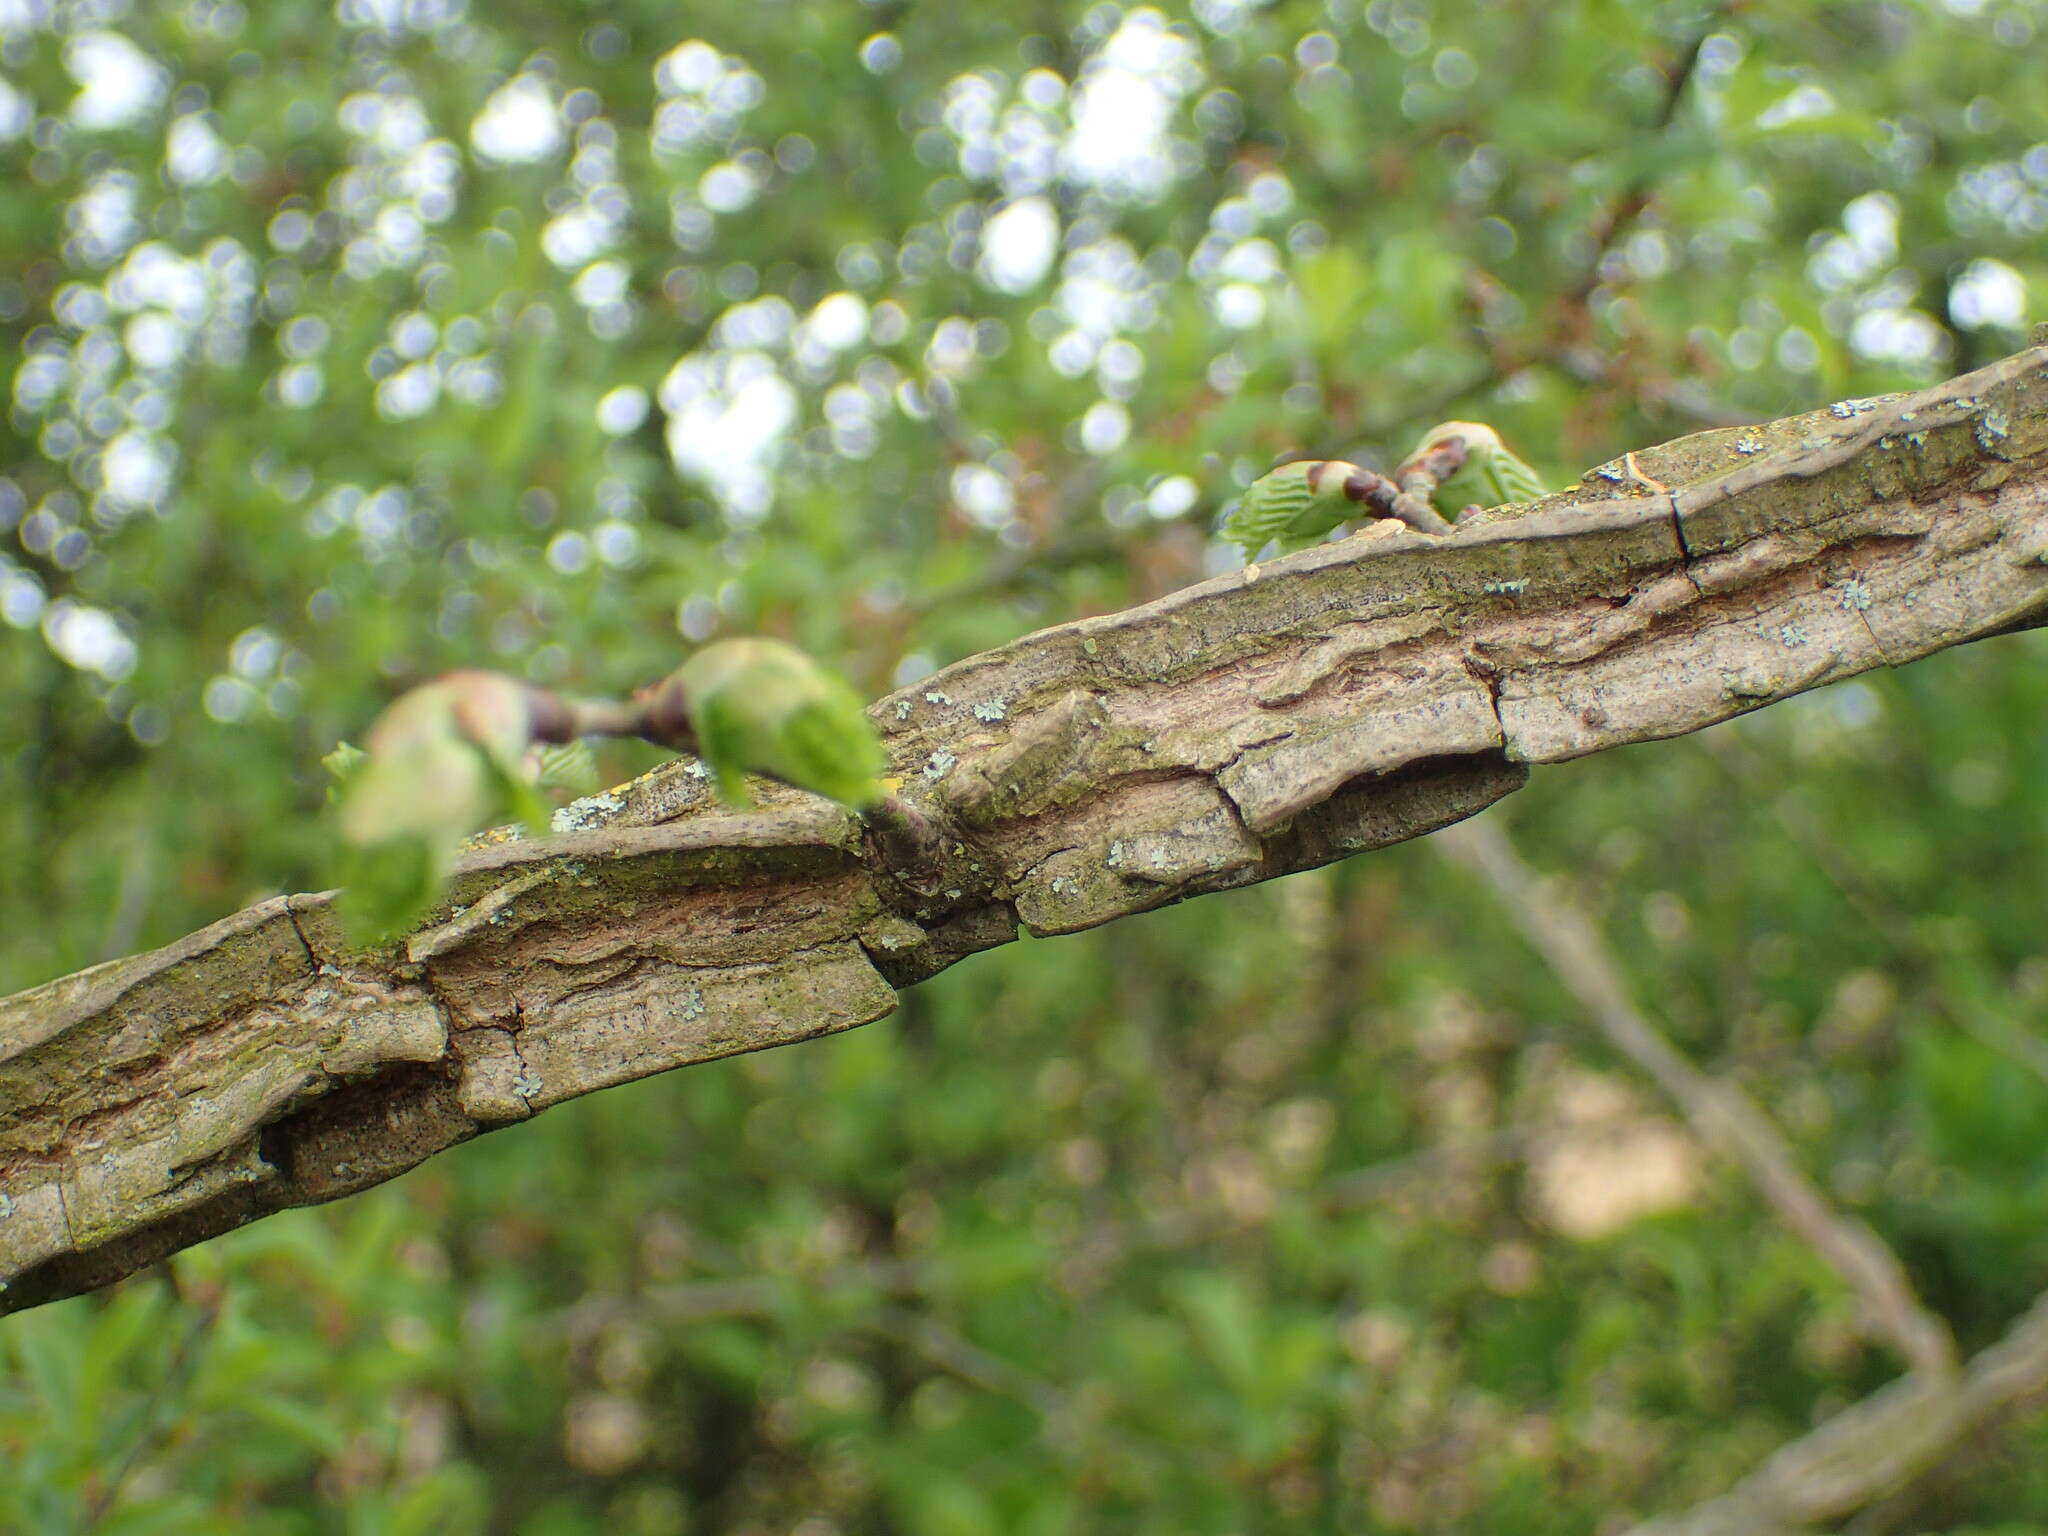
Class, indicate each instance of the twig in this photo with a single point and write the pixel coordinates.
(1876, 1446)
(954, 1352)
(131, 896)
(1629, 204)
(1419, 478)
(205, 1314)
(732, 1294)
(1721, 1114)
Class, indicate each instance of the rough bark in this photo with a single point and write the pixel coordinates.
(1340, 699)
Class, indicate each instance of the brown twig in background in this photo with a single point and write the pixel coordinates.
(1875, 1447)
(1720, 1113)
(1628, 205)
(1032, 566)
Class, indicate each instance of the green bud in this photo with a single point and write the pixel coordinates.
(387, 887)
(759, 706)
(341, 765)
(444, 759)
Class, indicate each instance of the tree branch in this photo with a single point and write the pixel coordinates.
(1341, 699)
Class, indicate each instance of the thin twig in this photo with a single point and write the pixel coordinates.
(183, 1359)
(734, 1294)
(132, 895)
(1721, 1114)
(1035, 565)
(1628, 205)
(1877, 1446)
(956, 1353)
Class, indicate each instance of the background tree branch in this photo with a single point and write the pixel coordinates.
(1720, 1113)
(1345, 698)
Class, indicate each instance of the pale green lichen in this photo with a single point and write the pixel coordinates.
(993, 710)
(1853, 595)
(590, 811)
(939, 765)
(1791, 635)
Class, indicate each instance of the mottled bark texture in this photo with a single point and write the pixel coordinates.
(1274, 719)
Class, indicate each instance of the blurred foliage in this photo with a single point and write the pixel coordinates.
(351, 344)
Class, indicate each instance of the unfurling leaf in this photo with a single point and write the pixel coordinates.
(1491, 475)
(570, 765)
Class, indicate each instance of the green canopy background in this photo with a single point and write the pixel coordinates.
(348, 344)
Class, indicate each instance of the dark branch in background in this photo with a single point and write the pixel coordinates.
(169, 1387)
(1560, 342)
(1037, 565)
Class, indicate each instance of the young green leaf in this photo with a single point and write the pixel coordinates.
(1295, 505)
